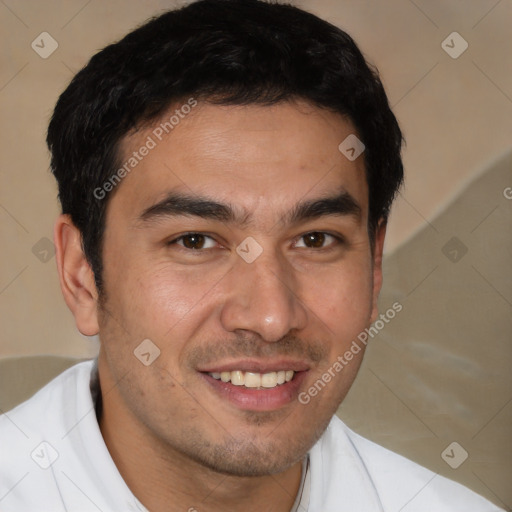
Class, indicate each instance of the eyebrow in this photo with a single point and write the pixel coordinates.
(176, 205)
(182, 205)
(343, 204)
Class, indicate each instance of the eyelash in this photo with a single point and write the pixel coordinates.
(192, 233)
(338, 240)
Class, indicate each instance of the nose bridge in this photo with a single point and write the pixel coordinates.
(263, 298)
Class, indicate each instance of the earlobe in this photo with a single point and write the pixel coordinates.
(380, 235)
(76, 276)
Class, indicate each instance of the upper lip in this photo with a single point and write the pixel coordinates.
(256, 366)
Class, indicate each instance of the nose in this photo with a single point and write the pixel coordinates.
(262, 298)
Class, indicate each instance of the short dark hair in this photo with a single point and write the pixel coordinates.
(229, 52)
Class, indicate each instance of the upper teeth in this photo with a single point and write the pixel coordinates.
(255, 380)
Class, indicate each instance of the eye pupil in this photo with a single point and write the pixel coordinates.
(193, 241)
(314, 239)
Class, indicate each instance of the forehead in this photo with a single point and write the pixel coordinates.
(262, 158)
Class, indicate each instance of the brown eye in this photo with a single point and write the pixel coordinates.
(193, 241)
(318, 240)
(314, 240)
(196, 241)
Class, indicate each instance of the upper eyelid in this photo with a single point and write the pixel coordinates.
(181, 247)
(337, 236)
(188, 233)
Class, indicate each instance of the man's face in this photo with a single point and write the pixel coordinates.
(255, 262)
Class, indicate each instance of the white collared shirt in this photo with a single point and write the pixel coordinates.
(53, 458)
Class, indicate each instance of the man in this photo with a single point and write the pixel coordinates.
(226, 173)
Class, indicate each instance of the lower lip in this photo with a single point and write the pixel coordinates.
(258, 399)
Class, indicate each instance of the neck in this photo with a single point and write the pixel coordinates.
(159, 475)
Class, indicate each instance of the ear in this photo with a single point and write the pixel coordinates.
(380, 234)
(76, 276)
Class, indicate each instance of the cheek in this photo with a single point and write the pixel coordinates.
(341, 297)
(162, 300)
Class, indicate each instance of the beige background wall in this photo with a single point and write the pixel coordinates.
(457, 118)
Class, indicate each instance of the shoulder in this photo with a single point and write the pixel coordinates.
(397, 482)
(28, 433)
(44, 408)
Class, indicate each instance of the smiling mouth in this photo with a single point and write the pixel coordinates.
(254, 380)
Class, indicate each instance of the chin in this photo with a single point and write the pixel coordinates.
(250, 461)
(242, 457)
(248, 456)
